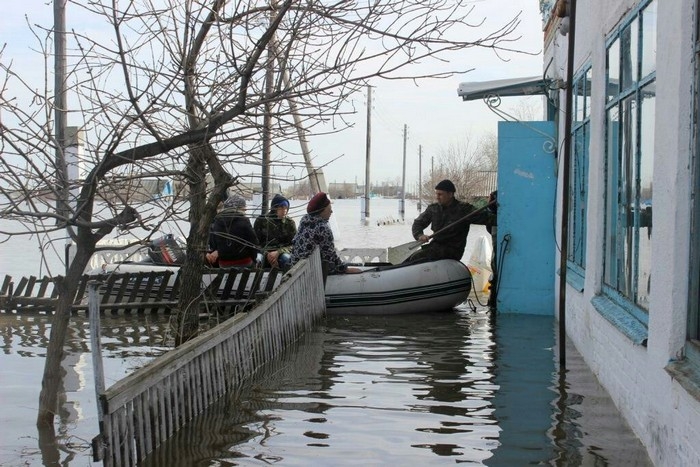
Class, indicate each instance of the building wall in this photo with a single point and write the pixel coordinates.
(663, 414)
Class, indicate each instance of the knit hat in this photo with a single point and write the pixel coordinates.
(446, 185)
(279, 201)
(235, 202)
(317, 203)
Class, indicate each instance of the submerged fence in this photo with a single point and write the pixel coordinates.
(141, 411)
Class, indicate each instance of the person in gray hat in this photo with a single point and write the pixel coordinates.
(232, 240)
(442, 216)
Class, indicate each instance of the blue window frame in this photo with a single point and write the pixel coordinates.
(630, 108)
(693, 342)
(578, 188)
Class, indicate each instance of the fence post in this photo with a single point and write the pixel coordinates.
(98, 369)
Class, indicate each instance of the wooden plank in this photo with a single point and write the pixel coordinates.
(154, 408)
(175, 289)
(82, 286)
(120, 290)
(144, 402)
(228, 286)
(129, 444)
(7, 284)
(139, 434)
(19, 291)
(119, 446)
(244, 275)
(43, 286)
(271, 279)
(257, 282)
(170, 427)
(145, 292)
(162, 288)
(30, 286)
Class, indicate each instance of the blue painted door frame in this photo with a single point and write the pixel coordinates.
(526, 217)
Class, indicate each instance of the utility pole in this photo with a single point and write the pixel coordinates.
(420, 171)
(60, 108)
(365, 213)
(402, 203)
(267, 130)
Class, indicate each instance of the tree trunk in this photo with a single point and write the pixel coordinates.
(187, 313)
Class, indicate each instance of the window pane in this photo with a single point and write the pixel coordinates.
(629, 47)
(646, 171)
(649, 39)
(611, 192)
(626, 185)
(580, 102)
(613, 69)
(587, 108)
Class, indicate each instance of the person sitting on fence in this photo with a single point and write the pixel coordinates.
(443, 216)
(314, 231)
(232, 240)
(275, 231)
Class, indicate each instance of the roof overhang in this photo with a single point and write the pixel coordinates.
(503, 88)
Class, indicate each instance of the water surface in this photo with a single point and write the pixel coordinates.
(425, 389)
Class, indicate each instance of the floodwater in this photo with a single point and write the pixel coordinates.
(428, 389)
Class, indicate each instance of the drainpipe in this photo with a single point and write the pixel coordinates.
(565, 183)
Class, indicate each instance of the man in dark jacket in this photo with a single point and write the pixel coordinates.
(450, 242)
(275, 231)
(232, 240)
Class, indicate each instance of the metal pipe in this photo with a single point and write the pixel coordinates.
(566, 163)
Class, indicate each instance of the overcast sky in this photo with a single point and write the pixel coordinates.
(433, 113)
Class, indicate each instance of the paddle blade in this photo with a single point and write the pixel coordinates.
(398, 254)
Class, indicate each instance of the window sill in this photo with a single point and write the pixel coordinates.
(627, 324)
(687, 375)
(575, 279)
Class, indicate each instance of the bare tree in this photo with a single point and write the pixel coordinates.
(471, 167)
(180, 89)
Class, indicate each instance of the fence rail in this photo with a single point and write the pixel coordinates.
(141, 292)
(146, 408)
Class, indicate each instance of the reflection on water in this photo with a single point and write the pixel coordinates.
(424, 389)
(127, 342)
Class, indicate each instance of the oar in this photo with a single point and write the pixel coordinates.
(398, 254)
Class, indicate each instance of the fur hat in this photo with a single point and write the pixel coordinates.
(318, 203)
(446, 185)
(235, 202)
(279, 201)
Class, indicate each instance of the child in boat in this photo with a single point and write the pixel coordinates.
(314, 231)
(232, 240)
(275, 231)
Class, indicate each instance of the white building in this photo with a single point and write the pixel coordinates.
(633, 278)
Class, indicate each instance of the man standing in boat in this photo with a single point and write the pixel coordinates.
(445, 219)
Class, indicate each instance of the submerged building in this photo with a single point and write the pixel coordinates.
(621, 79)
(632, 244)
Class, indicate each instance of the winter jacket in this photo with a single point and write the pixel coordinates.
(451, 242)
(315, 231)
(274, 233)
(232, 236)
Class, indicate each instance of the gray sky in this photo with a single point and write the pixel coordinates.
(435, 116)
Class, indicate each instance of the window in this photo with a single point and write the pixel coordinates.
(578, 188)
(693, 348)
(630, 107)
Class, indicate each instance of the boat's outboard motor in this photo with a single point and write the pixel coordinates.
(166, 250)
